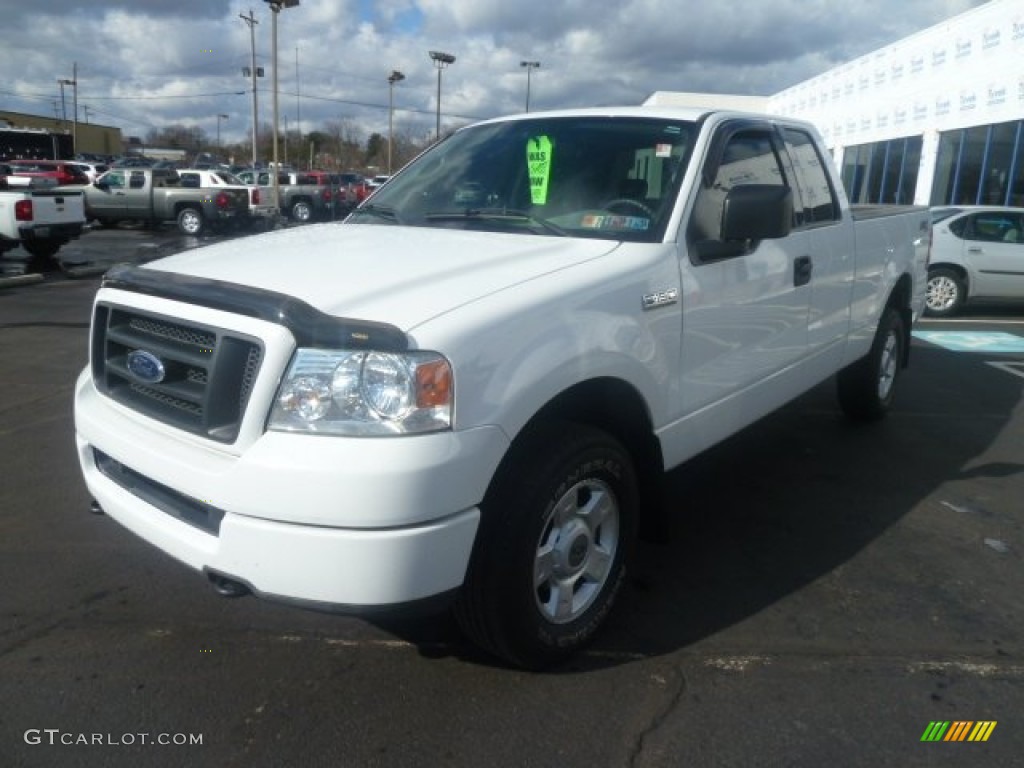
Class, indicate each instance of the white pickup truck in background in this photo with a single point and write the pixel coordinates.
(38, 216)
(468, 392)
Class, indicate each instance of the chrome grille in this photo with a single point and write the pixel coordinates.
(205, 377)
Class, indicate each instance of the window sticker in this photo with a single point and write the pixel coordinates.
(538, 163)
(602, 221)
(663, 150)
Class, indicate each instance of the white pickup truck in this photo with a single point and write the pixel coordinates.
(468, 392)
(38, 216)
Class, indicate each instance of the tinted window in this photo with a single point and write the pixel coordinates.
(815, 191)
(749, 157)
(991, 227)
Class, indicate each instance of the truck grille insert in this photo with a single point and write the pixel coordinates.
(193, 377)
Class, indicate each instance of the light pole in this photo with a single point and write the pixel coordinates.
(250, 20)
(530, 66)
(275, 7)
(441, 60)
(219, 118)
(73, 82)
(393, 78)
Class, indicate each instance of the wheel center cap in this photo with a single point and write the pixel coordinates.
(578, 551)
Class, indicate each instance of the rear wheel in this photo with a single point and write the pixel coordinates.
(42, 253)
(190, 221)
(945, 292)
(867, 388)
(301, 211)
(556, 534)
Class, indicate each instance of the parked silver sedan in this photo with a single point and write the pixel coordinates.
(977, 253)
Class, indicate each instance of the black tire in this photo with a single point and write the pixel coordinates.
(301, 211)
(42, 249)
(191, 221)
(538, 586)
(867, 387)
(946, 292)
(42, 253)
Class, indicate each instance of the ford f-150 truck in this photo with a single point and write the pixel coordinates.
(467, 392)
(157, 195)
(38, 216)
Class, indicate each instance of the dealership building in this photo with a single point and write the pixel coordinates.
(935, 118)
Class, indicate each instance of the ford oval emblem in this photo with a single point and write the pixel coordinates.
(145, 366)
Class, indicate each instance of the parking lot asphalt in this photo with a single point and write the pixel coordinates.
(828, 591)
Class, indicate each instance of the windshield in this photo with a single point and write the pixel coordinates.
(585, 176)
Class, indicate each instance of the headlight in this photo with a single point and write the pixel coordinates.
(348, 392)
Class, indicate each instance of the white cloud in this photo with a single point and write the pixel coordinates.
(589, 53)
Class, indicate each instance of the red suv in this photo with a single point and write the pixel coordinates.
(59, 170)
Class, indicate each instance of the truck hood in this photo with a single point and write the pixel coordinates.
(398, 275)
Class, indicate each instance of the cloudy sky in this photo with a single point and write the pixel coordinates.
(144, 64)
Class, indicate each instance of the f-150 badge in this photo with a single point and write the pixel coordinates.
(660, 298)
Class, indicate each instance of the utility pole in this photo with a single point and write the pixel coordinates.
(250, 20)
(298, 106)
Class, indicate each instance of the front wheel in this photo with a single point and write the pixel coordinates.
(867, 387)
(190, 222)
(557, 531)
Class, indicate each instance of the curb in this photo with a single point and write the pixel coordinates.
(13, 280)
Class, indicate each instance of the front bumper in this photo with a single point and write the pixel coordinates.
(352, 522)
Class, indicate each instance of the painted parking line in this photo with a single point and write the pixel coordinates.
(1014, 369)
(973, 341)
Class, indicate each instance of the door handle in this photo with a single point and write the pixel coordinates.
(975, 249)
(802, 268)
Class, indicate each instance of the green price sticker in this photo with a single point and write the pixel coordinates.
(538, 164)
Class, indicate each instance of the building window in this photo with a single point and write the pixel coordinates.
(981, 165)
(882, 172)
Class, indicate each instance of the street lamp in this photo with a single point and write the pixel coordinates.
(393, 78)
(275, 7)
(441, 60)
(73, 82)
(530, 66)
(219, 118)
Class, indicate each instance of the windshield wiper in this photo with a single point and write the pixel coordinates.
(379, 211)
(496, 214)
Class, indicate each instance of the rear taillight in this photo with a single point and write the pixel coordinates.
(326, 195)
(255, 196)
(223, 201)
(23, 210)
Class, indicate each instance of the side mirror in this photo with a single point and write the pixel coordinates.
(757, 212)
(101, 184)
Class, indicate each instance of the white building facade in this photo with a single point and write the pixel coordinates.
(936, 118)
